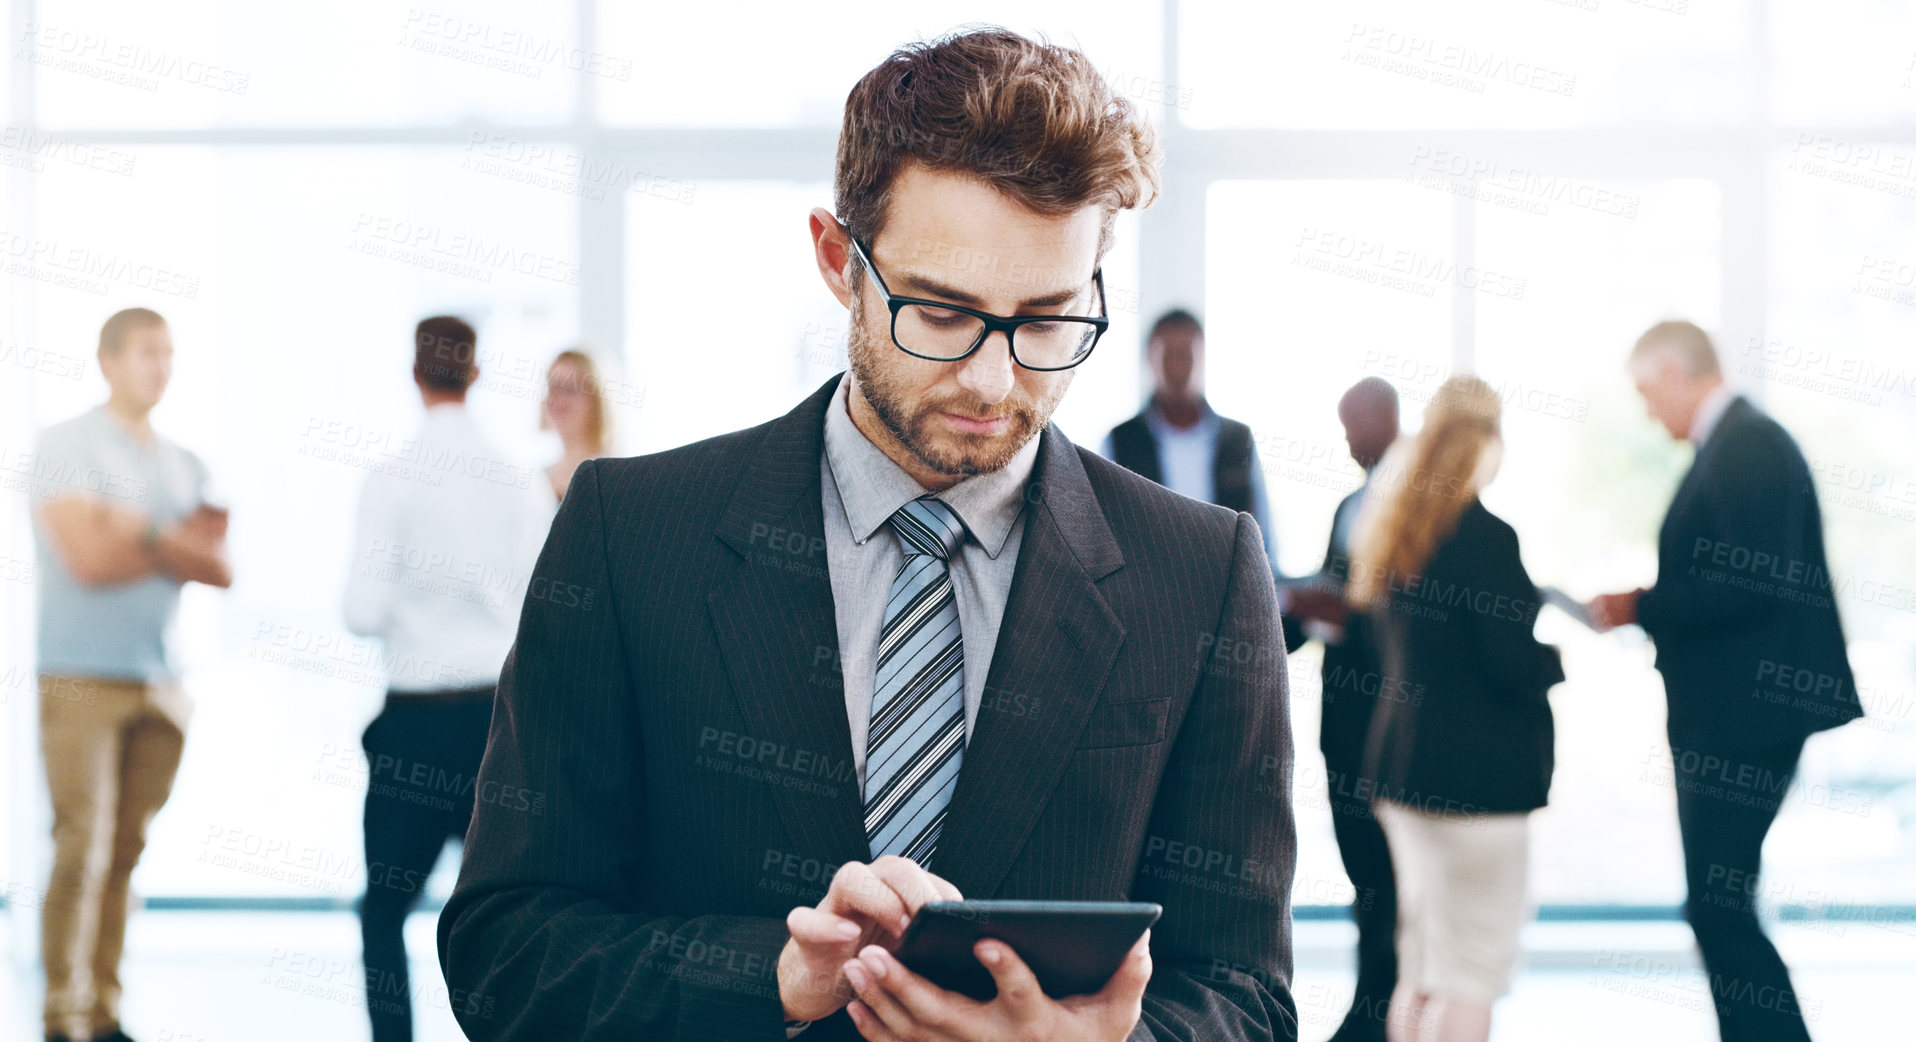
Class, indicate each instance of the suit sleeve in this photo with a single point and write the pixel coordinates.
(1334, 571)
(1759, 528)
(1221, 955)
(1504, 615)
(544, 936)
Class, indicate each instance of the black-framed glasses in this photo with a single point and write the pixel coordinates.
(945, 332)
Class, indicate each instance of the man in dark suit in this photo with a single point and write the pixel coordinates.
(1179, 441)
(1743, 594)
(1352, 682)
(764, 683)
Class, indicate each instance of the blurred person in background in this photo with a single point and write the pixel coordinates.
(1743, 604)
(1461, 747)
(125, 523)
(440, 563)
(1180, 442)
(1352, 682)
(575, 409)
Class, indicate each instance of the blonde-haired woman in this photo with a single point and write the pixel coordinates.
(573, 407)
(1466, 755)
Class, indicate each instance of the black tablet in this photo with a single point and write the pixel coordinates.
(1073, 947)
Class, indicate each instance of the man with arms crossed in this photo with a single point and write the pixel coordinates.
(1743, 593)
(905, 643)
(125, 526)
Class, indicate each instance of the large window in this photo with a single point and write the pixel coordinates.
(759, 78)
(1584, 480)
(1397, 64)
(1311, 286)
(1834, 365)
(226, 63)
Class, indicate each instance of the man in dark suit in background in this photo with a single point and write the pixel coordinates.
(762, 681)
(1353, 681)
(1743, 596)
(1179, 441)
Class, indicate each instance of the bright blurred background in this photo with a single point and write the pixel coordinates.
(1514, 187)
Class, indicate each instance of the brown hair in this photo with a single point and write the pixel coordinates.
(600, 425)
(444, 353)
(1421, 488)
(1031, 119)
(113, 334)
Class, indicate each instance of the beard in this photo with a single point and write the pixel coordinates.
(915, 423)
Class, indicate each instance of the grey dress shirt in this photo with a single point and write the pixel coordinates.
(862, 489)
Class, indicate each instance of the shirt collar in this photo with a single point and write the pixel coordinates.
(1708, 412)
(872, 487)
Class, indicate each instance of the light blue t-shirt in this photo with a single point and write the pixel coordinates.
(121, 632)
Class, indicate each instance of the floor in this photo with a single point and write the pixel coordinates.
(293, 977)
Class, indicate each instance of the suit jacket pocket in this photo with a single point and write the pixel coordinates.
(1125, 723)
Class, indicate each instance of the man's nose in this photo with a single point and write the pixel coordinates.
(990, 372)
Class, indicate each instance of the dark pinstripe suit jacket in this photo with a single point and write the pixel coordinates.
(669, 767)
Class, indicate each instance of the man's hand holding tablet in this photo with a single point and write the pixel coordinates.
(843, 947)
(896, 1005)
(866, 905)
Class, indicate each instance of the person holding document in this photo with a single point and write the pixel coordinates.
(905, 643)
(1743, 595)
(1464, 752)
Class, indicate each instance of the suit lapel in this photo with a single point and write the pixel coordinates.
(1057, 642)
(778, 633)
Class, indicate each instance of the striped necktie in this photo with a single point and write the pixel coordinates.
(917, 735)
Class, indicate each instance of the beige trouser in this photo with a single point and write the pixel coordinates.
(112, 748)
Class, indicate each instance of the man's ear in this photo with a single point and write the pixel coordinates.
(832, 249)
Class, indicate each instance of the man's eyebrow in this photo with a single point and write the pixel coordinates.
(932, 288)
